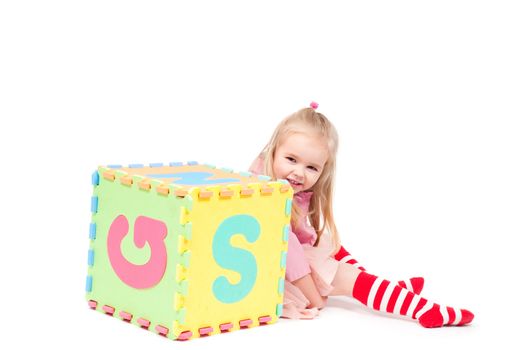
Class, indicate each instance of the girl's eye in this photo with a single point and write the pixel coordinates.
(291, 159)
(312, 168)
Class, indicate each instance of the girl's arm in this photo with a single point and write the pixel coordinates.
(309, 289)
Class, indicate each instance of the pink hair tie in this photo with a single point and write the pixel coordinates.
(313, 105)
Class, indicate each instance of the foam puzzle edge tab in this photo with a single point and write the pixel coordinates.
(190, 211)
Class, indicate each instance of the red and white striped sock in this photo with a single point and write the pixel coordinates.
(414, 284)
(344, 256)
(386, 296)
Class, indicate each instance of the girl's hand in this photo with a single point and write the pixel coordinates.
(309, 289)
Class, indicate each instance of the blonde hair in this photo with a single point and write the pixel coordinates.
(307, 121)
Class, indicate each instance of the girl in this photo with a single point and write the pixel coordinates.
(303, 151)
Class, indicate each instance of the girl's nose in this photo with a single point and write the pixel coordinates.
(298, 173)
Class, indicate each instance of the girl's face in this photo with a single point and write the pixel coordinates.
(300, 159)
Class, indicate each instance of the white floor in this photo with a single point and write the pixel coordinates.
(45, 269)
(429, 99)
(342, 323)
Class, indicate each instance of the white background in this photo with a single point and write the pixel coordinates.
(429, 99)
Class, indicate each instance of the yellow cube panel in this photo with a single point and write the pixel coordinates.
(188, 250)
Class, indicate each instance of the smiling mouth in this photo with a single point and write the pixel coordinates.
(294, 183)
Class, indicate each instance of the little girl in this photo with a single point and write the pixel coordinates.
(303, 151)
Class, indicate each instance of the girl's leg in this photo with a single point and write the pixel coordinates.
(386, 296)
(414, 284)
(345, 279)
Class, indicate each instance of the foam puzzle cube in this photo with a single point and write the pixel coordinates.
(187, 250)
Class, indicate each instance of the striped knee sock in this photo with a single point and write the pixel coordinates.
(414, 284)
(386, 296)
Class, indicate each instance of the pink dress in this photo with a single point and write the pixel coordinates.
(303, 258)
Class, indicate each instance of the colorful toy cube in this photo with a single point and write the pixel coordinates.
(188, 250)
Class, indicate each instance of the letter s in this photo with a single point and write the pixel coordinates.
(231, 258)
